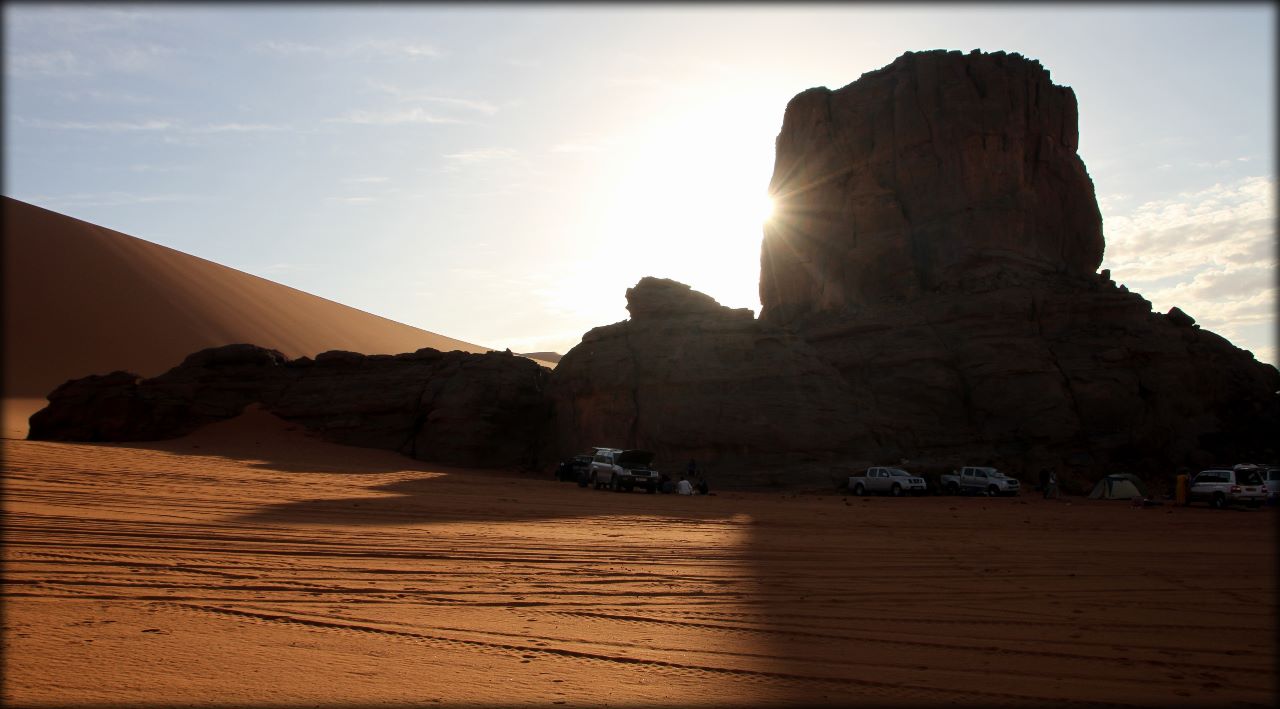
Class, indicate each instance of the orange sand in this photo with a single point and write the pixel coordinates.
(80, 299)
(251, 564)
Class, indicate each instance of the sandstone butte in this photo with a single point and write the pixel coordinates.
(930, 293)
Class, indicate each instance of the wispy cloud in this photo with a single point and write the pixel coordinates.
(108, 199)
(367, 48)
(152, 125)
(241, 128)
(481, 155)
(56, 63)
(368, 180)
(1192, 230)
(395, 48)
(1210, 253)
(354, 200)
(288, 47)
(416, 96)
(105, 96)
(394, 117)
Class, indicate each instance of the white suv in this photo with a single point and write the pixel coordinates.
(1222, 487)
(1271, 478)
(623, 471)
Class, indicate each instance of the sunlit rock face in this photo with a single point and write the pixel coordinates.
(687, 378)
(936, 241)
(936, 168)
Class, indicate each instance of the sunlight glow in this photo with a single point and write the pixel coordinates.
(692, 202)
(766, 207)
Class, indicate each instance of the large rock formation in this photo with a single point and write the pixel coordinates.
(457, 408)
(935, 169)
(936, 240)
(687, 377)
(929, 292)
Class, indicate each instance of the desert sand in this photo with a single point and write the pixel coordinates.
(81, 299)
(249, 563)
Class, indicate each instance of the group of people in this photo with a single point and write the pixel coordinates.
(691, 483)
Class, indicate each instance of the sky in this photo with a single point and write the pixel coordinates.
(502, 173)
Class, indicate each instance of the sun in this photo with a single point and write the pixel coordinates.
(765, 209)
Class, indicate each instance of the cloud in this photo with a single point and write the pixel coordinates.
(410, 95)
(241, 128)
(108, 199)
(45, 64)
(153, 124)
(1193, 230)
(104, 96)
(75, 21)
(288, 47)
(134, 58)
(481, 155)
(368, 49)
(364, 180)
(354, 200)
(1209, 252)
(396, 117)
(395, 48)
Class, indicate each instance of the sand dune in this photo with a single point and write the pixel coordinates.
(251, 564)
(80, 299)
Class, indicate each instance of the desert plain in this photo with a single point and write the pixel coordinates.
(250, 563)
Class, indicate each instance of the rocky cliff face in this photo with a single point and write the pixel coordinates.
(936, 240)
(937, 168)
(687, 377)
(457, 408)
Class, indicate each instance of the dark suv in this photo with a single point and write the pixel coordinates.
(1222, 487)
(573, 468)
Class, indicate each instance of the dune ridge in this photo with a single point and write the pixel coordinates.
(82, 299)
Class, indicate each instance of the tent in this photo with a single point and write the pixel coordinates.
(1119, 486)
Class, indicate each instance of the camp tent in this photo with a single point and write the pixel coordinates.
(1118, 486)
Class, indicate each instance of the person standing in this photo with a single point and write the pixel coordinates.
(1051, 485)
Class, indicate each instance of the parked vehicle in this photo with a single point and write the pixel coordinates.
(887, 481)
(979, 480)
(570, 468)
(1224, 487)
(1271, 478)
(623, 470)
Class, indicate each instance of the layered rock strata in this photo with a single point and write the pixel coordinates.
(456, 407)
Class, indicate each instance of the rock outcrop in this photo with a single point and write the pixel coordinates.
(687, 377)
(456, 407)
(936, 240)
(931, 171)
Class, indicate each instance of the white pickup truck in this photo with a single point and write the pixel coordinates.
(980, 481)
(891, 481)
(623, 471)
